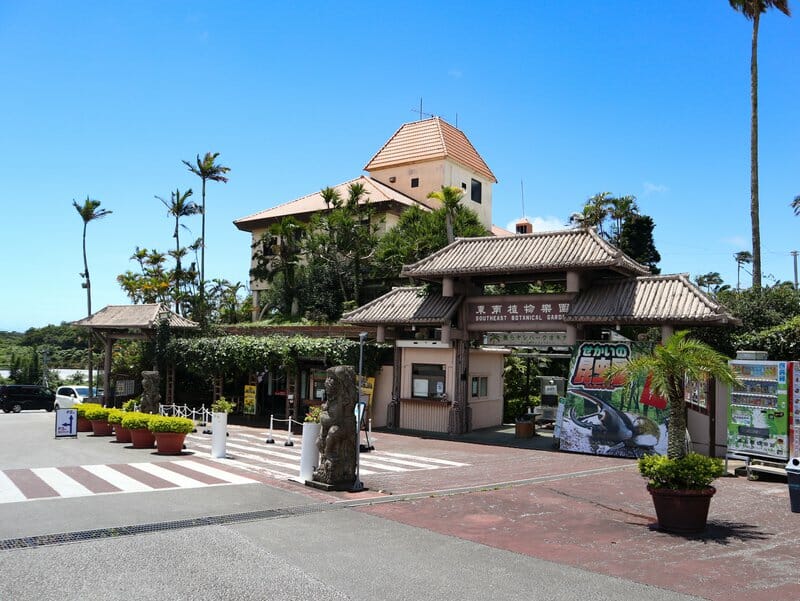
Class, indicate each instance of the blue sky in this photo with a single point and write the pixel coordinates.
(571, 98)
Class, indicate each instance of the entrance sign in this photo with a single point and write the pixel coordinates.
(611, 418)
(527, 339)
(543, 312)
(66, 423)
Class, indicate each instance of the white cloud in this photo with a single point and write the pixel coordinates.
(455, 73)
(651, 188)
(541, 224)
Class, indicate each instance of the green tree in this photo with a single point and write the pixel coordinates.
(207, 170)
(708, 280)
(667, 366)
(89, 211)
(636, 240)
(743, 257)
(449, 196)
(179, 206)
(752, 10)
(278, 251)
(796, 204)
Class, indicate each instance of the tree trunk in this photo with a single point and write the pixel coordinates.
(754, 156)
(676, 431)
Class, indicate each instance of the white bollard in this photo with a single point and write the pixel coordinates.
(270, 440)
(309, 453)
(289, 442)
(219, 432)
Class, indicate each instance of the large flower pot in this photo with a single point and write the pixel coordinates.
(84, 425)
(309, 452)
(169, 443)
(219, 433)
(142, 438)
(101, 427)
(123, 434)
(682, 511)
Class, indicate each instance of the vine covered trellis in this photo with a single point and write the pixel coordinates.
(230, 355)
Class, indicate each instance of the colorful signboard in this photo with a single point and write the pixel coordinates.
(599, 417)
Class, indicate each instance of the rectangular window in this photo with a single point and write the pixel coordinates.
(415, 182)
(480, 386)
(476, 191)
(427, 381)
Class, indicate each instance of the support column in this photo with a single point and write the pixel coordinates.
(380, 334)
(459, 420)
(109, 345)
(256, 307)
(393, 411)
(447, 287)
(666, 332)
(169, 385)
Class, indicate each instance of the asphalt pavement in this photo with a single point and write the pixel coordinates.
(495, 518)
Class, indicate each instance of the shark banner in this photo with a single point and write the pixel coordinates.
(603, 417)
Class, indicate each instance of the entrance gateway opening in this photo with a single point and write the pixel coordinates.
(561, 297)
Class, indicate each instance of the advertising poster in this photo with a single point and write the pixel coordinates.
(610, 418)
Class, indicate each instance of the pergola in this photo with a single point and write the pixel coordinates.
(130, 322)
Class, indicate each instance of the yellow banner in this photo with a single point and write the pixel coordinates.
(250, 400)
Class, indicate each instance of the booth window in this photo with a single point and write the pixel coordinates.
(427, 381)
(480, 386)
(475, 193)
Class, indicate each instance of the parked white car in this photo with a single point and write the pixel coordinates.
(67, 396)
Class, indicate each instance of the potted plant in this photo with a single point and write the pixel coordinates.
(84, 425)
(219, 426)
(309, 452)
(98, 416)
(680, 483)
(115, 419)
(136, 422)
(170, 433)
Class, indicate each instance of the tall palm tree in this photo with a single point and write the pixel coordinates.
(796, 205)
(179, 206)
(742, 257)
(752, 10)
(89, 211)
(668, 365)
(620, 209)
(207, 170)
(449, 196)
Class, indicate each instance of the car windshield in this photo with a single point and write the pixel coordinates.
(83, 390)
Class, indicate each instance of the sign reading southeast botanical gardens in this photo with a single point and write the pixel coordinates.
(530, 312)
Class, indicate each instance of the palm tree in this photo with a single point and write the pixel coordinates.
(796, 205)
(449, 196)
(667, 366)
(752, 10)
(89, 211)
(179, 206)
(711, 278)
(206, 170)
(742, 257)
(621, 209)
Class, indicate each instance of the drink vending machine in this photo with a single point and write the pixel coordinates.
(762, 418)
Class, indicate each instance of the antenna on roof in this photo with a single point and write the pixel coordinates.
(421, 114)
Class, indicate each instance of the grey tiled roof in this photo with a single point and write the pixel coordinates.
(648, 300)
(132, 317)
(579, 248)
(405, 305)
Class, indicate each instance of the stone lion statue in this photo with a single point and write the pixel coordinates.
(337, 438)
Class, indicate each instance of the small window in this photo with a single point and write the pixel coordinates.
(464, 186)
(427, 381)
(415, 182)
(480, 386)
(476, 191)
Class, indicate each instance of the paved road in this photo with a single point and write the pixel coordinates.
(497, 523)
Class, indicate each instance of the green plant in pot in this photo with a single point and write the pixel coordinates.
(136, 423)
(115, 419)
(170, 432)
(84, 425)
(99, 417)
(313, 415)
(680, 483)
(221, 405)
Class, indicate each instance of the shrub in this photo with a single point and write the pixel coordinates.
(515, 408)
(96, 412)
(313, 415)
(115, 416)
(130, 405)
(693, 471)
(135, 420)
(81, 408)
(221, 406)
(163, 423)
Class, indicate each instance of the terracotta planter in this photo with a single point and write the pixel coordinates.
(123, 434)
(84, 425)
(169, 443)
(142, 438)
(101, 427)
(682, 511)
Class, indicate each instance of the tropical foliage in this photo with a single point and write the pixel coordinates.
(690, 472)
(163, 423)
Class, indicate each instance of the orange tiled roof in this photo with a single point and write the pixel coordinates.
(427, 140)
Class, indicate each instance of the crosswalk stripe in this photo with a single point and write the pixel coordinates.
(120, 480)
(179, 480)
(61, 482)
(9, 493)
(218, 473)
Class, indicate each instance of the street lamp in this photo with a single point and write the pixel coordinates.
(359, 411)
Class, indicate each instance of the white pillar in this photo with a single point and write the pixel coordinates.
(219, 432)
(447, 287)
(380, 334)
(666, 332)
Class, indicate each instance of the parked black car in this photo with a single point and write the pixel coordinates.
(16, 397)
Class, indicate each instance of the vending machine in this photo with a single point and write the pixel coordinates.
(760, 409)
